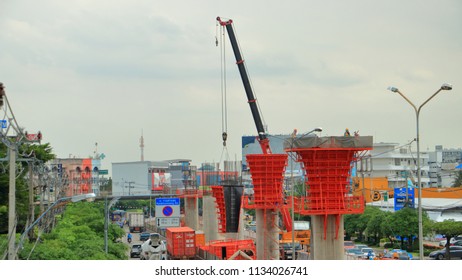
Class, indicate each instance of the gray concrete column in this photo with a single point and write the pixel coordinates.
(267, 234)
(209, 218)
(191, 212)
(330, 248)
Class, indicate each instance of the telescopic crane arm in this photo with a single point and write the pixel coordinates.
(262, 137)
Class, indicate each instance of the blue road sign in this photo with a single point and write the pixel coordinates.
(167, 201)
(402, 199)
(167, 207)
(167, 211)
(4, 124)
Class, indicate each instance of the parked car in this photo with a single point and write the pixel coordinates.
(135, 251)
(348, 245)
(360, 246)
(368, 252)
(401, 254)
(454, 252)
(144, 236)
(451, 241)
(354, 253)
(286, 250)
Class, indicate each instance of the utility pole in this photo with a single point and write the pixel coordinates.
(31, 199)
(130, 187)
(106, 220)
(13, 142)
(12, 205)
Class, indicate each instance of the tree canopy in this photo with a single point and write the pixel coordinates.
(38, 154)
(79, 235)
(448, 228)
(376, 224)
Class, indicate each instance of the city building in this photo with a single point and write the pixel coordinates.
(397, 164)
(144, 177)
(443, 163)
(80, 175)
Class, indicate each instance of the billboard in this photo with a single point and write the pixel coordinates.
(404, 197)
(159, 180)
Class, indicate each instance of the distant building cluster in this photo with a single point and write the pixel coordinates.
(386, 167)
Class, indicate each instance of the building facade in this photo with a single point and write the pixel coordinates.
(79, 175)
(398, 164)
(145, 177)
(443, 163)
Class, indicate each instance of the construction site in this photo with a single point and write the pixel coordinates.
(226, 230)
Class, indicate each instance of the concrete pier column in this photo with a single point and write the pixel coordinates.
(267, 234)
(209, 218)
(329, 248)
(191, 212)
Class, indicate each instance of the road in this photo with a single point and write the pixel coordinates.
(135, 240)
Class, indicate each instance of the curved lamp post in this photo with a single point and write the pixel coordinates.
(419, 179)
(74, 198)
(317, 129)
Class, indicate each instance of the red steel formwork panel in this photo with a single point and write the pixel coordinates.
(224, 249)
(327, 180)
(267, 172)
(218, 193)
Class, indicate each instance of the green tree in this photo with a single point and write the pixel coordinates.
(351, 226)
(405, 223)
(40, 154)
(374, 225)
(386, 229)
(458, 181)
(357, 223)
(79, 235)
(448, 228)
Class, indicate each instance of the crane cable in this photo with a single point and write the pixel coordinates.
(224, 108)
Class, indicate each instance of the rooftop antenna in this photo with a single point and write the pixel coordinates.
(142, 146)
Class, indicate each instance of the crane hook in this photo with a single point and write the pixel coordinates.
(224, 135)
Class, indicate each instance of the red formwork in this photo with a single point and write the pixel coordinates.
(226, 249)
(267, 172)
(218, 194)
(327, 180)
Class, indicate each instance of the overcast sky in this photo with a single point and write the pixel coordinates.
(86, 72)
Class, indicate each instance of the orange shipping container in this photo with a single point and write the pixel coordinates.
(181, 243)
(200, 238)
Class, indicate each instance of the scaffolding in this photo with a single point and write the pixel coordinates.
(327, 162)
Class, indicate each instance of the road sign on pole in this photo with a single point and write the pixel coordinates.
(163, 222)
(167, 207)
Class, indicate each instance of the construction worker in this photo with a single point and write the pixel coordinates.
(347, 132)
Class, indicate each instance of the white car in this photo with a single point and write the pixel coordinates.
(368, 252)
(451, 241)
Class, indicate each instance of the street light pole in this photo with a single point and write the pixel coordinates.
(317, 129)
(419, 176)
(106, 220)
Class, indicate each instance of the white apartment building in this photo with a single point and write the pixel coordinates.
(398, 164)
(443, 164)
